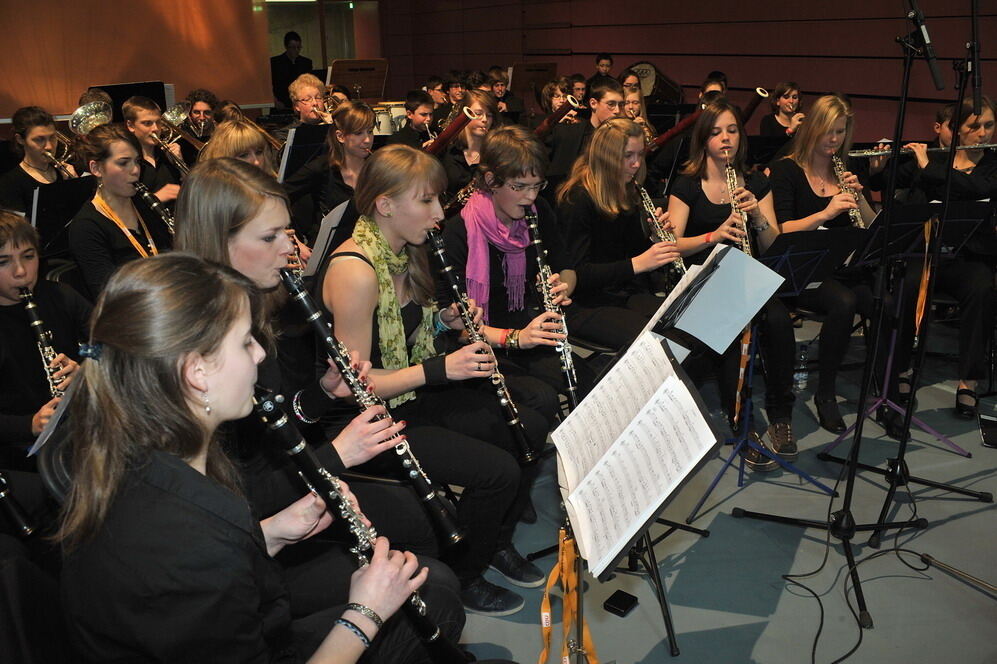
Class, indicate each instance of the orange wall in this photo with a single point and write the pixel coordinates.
(54, 50)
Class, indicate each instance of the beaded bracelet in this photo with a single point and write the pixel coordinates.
(366, 611)
(513, 340)
(439, 326)
(296, 407)
(356, 630)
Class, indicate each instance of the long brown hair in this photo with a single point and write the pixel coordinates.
(598, 169)
(820, 119)
(350, 117)
(487, 101)
(132, 400)
(392, 171)
(700, 136)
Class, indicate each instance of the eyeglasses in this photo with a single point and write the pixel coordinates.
(519, 188)
(632, 86)
(307, 99)
(612, 104)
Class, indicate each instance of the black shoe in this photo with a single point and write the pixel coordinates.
(529, 514)
(828, 415)
(517, 569)
(966, 411)
(754, 459)
(487, 599)
(903, 398)
(891, 421)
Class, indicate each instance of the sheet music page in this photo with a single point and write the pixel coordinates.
(646, 463)
(585, 435)
(282, 171)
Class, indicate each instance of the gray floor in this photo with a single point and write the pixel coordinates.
(729, 602)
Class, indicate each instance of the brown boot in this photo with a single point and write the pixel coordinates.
(783, 440)
(754, 459)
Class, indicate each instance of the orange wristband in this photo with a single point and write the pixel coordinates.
(709, 237)
(502, 339)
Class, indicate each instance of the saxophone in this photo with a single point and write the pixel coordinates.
(439, 511)
(731, 174)
(43, 337)
(563, 347)
(839, 172)
(474, 335)
(661, 233)
(329, 488)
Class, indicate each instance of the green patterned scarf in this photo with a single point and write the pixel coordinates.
(390, 329)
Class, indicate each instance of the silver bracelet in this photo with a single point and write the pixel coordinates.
(762, 223)
(366, 611)
(296, 407)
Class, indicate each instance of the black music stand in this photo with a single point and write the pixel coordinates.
(365, 78)
(304, 142)
(54, 206)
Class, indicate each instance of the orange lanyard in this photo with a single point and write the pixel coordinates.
(922, 292)
(105, 209)
(570, 592)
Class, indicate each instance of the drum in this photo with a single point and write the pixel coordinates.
(382, 121)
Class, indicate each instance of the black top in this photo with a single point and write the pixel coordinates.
(928, 184)
(795, 198)
(459, 172)
(17, 189)
(600, 248)
(706, 216)
(283, 72)
(99, 247)
(440, 115)
(566, 142)
(770, 127)
(178, 572)
(455, 239)
(327, 189)
(513, 107)
(23, 382)
(408, 136)
(160, 175)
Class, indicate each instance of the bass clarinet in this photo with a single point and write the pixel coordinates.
(439, 511)
(43, 337)
(563, 347)
(327, 485)
(661, 233)
(156, 205)
(474, 335)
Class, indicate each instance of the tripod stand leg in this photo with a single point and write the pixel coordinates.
(865, 620)
(659, 588)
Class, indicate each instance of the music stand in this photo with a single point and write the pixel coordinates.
(528, 80)
(364, 77)
(304, 142)
(54, 206)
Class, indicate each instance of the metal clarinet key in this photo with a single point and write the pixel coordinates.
(325, 484)
(661, 233)
(839, 172)
(526, 454)
(43, 337)
(156, 205)
(731, 175)
(563, 348)
(439, 511)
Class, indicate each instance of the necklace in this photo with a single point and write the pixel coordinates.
(43, 171)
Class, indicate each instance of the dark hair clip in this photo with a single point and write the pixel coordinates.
(92, 351)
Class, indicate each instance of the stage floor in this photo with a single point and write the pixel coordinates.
(729, 602)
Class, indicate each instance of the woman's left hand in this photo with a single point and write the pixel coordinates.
(332, 382)
(298, 521)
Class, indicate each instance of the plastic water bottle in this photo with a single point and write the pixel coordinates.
(800, 372)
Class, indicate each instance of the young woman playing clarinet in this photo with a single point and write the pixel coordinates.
(163, 559)
(787, 115)
(34, 137)
(602, 222)
(809, 195)
(700, 208)
(461, 159)
(115, 227)
(379, 288)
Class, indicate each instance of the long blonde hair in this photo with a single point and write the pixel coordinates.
(132, 400)
(820, 119)
(234, 137)
(598, 169)
(392, 171)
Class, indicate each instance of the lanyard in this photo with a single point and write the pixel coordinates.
(571, 590)
(105, 209)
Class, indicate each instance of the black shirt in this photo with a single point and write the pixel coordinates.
(17, 189)
(99, 247)
(283, 71)
(771, 128)
(158, 176)
(408, 136)
(459, 172)
(23, 383)
(455, 238)
(795, 198)
(327, 189)
(705, 216)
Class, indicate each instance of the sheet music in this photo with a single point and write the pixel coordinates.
(282, 171)
(663, 443)
(586, 434)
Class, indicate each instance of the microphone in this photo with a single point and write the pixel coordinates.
(917, 18)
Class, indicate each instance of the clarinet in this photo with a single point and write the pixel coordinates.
(43, 338)
(12, 508)
(839, 172)
(156, 205)
(327, 485)
(661, 233)
(439, 511)
(563, 347)
(526, 454)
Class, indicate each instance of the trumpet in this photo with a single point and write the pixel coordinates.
(886, 153)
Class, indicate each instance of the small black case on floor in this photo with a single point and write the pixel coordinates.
(621, 603)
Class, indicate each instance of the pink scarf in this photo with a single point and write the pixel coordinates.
(484, 228)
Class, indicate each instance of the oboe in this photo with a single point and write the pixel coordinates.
(43, 338)
(10, 506)
(731, 174)
(661, 233)
(156, 205)
(327, 485)
(563, 347)
(338, 353)
(839, 172)
(474, 334)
